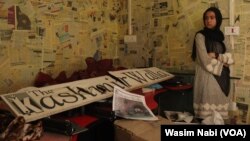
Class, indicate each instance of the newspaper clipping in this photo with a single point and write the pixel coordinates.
(131, 106)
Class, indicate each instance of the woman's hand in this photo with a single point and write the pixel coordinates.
(226, 65)
(211, 54)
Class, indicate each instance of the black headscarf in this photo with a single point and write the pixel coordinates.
(211, 37)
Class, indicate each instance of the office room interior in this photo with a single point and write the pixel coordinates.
(70, 46)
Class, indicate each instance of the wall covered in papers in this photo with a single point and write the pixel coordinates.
(56, 35)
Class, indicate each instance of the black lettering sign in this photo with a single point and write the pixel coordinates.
(135, 76)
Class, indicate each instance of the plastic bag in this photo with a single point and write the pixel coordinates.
(18, 130)
(214, 119)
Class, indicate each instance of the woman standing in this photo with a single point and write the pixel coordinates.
(212, 73)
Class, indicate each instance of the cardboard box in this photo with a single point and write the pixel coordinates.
(49, 136)
(138, 130)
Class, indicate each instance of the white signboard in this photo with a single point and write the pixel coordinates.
(42, 102)
(138, 78)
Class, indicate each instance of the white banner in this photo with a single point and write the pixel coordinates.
(38, 103)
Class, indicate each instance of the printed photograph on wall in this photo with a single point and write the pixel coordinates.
(162, 8)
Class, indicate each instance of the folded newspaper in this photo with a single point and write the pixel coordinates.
(131, 106)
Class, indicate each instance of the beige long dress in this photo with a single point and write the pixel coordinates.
(208, 95)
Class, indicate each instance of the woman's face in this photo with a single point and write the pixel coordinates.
(210, 20)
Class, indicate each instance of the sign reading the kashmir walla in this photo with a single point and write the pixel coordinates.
(37, 103)
(138, 78)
